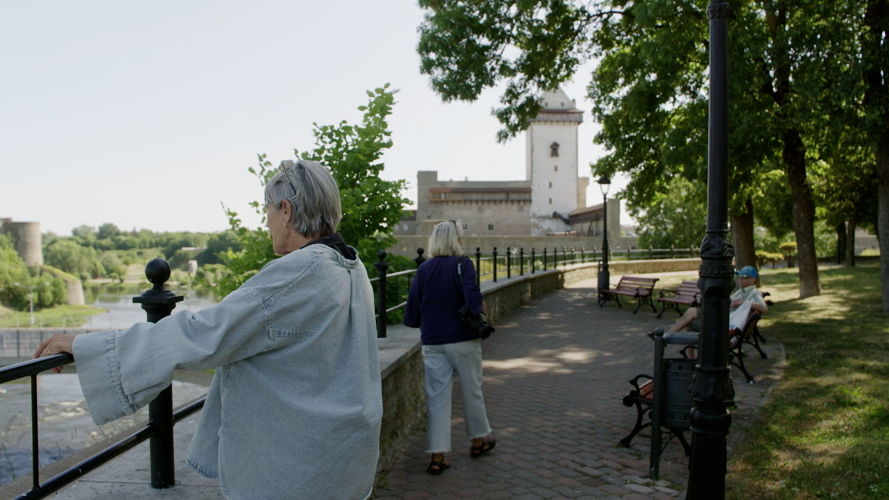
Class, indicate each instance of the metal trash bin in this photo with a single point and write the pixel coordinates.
(672, 398)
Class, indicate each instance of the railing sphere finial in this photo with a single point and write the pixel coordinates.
(157, 271)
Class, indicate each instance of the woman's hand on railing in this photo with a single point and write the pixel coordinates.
(57, 344)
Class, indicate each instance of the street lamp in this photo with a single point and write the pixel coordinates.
(604, 277)
(712, 391)
(30, 299)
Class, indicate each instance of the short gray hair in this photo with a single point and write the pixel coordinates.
(446, 239)
(311, 189)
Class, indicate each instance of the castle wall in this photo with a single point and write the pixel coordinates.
(482, 207)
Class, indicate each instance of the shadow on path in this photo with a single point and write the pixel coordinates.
(555, 373)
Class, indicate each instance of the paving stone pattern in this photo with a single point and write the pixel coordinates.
(555, 373)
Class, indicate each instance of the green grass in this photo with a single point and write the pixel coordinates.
(65, 315)
(825, 431)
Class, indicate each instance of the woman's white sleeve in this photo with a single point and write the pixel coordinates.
(121, 371)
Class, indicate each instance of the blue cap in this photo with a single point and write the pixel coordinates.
(748, 272)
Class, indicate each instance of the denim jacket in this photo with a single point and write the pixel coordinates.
(295, 406)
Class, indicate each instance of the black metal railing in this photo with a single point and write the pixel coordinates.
(158, 303)
(511, 262)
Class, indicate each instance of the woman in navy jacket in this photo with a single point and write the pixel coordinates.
(443, 284)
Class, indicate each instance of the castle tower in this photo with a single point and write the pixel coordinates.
(551, 163)
(27, 239)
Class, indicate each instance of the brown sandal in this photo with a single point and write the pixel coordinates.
(436, 467)
(479, 450)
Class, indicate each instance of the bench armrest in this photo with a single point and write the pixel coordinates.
(682, 338)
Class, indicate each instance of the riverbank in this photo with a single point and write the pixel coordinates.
(57, 316)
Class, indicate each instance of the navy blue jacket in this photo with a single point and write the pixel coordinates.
(435, 297)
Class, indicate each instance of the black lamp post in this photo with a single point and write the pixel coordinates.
(604, 276)
(712, 391)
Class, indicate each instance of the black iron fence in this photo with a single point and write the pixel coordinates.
(158, 303)
(391, 288)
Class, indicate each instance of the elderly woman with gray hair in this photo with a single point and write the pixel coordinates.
(294, 408)
(442, 285)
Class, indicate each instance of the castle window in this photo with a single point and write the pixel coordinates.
(554, 149)
(550, 201)
(555, 168)
(490, 227)
(465, 226)
(550, 183)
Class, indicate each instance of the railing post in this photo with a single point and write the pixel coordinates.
(544, 258)
(522, 261)
(508, 264)
(419, 259)
(582, 255)
(381, 266)
(478, 264)
(158, 303)
(533, 264)
(494, 261)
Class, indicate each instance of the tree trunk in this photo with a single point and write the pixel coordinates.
(841, 241)
(742, 234)
(850, 244)
(876, 96)
(803, 213)
(883, 212)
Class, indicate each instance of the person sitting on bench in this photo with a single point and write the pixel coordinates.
(745, 299)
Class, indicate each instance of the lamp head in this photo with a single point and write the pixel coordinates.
(604, 184)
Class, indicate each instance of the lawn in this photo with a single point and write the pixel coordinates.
(64, 315)
(825, 431)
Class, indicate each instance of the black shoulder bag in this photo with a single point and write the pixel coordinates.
(477, 322)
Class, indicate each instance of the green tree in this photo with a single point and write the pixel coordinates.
(217, 244)
(371, 206)
(107, 230)
(674, 218)
(71, 257)
(84, 234)
(649, 87)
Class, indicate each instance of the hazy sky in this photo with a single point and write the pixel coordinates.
(148, 114)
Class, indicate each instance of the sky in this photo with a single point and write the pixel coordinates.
(148, 114)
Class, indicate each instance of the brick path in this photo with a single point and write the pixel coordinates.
(555, 373)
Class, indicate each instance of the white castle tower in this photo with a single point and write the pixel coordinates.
(551, 164)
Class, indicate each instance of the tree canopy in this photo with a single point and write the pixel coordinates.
(650, 87)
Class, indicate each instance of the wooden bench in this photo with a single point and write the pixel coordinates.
(637, 287)
(687, 294)
(747, 336)
(737, 339)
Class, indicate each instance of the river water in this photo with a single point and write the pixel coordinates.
(64, 424)
(122, 312)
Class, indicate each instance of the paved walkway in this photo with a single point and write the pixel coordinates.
(555, 373)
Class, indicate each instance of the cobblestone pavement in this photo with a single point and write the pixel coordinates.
(555, 373)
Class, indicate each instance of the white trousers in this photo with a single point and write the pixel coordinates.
(441, 362)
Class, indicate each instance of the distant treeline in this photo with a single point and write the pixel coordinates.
(104, 252)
